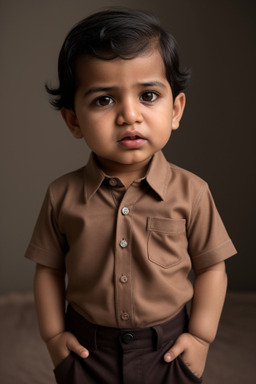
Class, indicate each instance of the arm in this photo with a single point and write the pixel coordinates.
(209, 294)
(49, 290)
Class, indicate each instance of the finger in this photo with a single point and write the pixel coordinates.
(176, 350)
(74, 346)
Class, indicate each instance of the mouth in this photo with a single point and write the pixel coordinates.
(136, 137)
(132, 140)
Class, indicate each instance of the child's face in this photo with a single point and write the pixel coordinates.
(124, 109)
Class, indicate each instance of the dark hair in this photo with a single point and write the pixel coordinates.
(115, 32)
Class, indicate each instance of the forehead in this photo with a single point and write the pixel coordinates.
(147, 66)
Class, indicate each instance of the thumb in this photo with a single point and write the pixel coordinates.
(176, 350)
(74, 346)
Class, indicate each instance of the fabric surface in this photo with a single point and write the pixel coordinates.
(24, 358)
(128, 252)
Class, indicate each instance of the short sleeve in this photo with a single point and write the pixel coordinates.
(209, 242)
(48, 244)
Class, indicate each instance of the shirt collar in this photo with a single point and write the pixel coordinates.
(93, 177)
(158, 176)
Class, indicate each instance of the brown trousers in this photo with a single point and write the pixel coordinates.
(124, 356)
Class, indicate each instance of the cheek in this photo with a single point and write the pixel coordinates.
(92, 139)
(164, 133)
(96, 138)
(164, 126)
(165, 137)
(162, 117)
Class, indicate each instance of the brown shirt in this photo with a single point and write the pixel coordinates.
(128, 252)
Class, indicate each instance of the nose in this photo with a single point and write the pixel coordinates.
(129, 112)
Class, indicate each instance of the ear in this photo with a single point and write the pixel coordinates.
(72, 122)
(178, 109)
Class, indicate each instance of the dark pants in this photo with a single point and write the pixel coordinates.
(124, 356)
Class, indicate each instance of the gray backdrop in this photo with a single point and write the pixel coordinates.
(216, 139)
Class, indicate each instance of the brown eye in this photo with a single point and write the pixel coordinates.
(148, 96)
(103, 101)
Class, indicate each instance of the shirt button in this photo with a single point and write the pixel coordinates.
(123, 243)
(125, 316)
(125, 211)
(123, 279)
(113, 182)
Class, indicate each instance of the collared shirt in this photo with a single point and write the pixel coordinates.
(128, 252)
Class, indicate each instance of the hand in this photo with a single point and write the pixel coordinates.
(194, 352)
(62, 344)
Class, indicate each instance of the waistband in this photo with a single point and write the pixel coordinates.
(96, 336)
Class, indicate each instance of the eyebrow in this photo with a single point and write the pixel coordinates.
(154, 83)
(99, 89)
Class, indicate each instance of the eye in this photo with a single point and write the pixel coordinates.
(149, 96)
(103, 101)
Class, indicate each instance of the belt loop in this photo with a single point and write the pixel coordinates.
(157, 336)
(91, 334)
(95, 338)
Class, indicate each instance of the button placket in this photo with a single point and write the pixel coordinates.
(124, 279)
(125, 316)
(125, 211)
(123, 243)
(123, 264)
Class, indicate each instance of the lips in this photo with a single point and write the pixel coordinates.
(132, 140)
(131, 136)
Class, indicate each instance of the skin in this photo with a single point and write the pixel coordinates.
(125, 112)
(118, 99)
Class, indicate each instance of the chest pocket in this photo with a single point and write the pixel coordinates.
(166, 241)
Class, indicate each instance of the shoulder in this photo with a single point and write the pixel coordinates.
(68, 178)
(188, 187)
(71, 183)
(186, 177)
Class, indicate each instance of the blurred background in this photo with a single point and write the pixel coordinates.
(216, 139)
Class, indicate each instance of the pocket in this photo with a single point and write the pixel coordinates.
(62, 363)
(166, 241)
(64, 371)
(187, 371)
